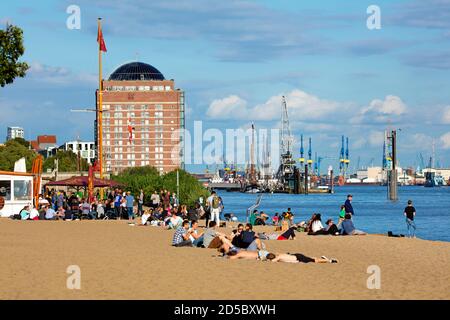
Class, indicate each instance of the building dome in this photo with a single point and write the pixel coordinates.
(136, 71)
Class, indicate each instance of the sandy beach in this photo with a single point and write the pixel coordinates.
(122, 262)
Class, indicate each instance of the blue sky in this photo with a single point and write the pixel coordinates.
(235, 59)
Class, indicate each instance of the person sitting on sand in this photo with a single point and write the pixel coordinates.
(34, 214)
(348, 228)
(289, 217)
(275, 219)
(249, 240)
(309, 223)
(60, 213)
(50, 214)
(253, 216)
(288, 234)
(316, 226)
(146, 216)
(211, 237)
(196, 238)
(25, 213)
(331, 228)
(174, 222)
(181, 237)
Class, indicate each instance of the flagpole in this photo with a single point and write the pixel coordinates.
(100, 110)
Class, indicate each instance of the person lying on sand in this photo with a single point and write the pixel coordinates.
(264, 255)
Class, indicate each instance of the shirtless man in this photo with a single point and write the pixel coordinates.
(283, 257)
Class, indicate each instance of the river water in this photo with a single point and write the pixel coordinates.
(374, 213)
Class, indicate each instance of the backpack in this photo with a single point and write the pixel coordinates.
(215, 202)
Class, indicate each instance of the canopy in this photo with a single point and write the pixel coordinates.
(82, 181)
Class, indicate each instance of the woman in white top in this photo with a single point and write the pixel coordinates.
(316, 226)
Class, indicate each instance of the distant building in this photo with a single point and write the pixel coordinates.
(14, 132)
(86, 149)
(44, 144)
(142, 116)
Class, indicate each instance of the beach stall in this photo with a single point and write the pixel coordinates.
(16, 191)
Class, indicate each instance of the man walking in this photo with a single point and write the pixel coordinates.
(348, 205)
(214, 205)
(410, 213)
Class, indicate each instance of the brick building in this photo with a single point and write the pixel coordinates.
(142, 117)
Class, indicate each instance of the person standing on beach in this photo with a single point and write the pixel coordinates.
(348, 205)
(214, 205)
(141, 203)
(129, 200)
(155, 200)
(410, 213)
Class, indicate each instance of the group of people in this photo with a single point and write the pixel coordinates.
(61, 205)
(242, 243)
(165, 210)
(171, 216)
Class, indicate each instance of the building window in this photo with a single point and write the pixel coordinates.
(5, 189)
(22, 190)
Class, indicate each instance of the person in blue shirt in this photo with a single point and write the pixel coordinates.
(130, 202)
(349, 229)
(348, 205)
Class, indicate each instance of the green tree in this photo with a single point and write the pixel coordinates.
(11, 49)
(12, 151)
(23, 142)
(149, 179)
(67, 162)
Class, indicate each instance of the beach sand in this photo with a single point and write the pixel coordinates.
(118, 261)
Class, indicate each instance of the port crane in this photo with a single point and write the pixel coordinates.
(286, 170)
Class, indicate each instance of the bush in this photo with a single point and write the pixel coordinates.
(149, 179)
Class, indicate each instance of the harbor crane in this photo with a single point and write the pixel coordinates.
(286, 170)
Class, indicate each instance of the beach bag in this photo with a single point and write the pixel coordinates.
(215, 202)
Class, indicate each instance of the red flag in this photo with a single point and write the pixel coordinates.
(130, 130)
(100, 40)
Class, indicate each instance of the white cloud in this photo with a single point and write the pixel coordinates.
(381, 111)
(445, 140)
(446, 115)
(301, 106)
(231, 107)
(58, 75)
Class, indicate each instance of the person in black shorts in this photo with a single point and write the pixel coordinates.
(301, 258)
(410, 213)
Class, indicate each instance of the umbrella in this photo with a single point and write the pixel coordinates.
(82, 181)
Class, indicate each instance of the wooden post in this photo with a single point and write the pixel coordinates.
(306, 179)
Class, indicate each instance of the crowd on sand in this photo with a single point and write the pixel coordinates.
(165, 211)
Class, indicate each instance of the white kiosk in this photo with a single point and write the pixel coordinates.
(16, 191)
